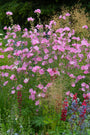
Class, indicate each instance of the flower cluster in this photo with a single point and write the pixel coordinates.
(64, 110)
(78, 112)
(32, 96)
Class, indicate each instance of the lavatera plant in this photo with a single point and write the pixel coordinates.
(38, 58)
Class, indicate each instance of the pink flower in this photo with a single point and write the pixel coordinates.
(84, 95)
(30, 19)
(83, 84)
(37, 102)
(13, 87)
(68, 93)
(72, 62)
(13, 91)
(0, 44)
(46, 50)
(1, 56)
(5, 83)
(36, 68)
(26, 80)
(39, 58)
(40, 86)
(50, 71)
(85, 72)
(50, 60)
(42, 95)
(19, 87)
(6, 74)
(12, 76)
(55, 47)
(9, 13)
(44, 62)
(66, 29)
(37, 11)
(82, 89)
(32, 96)
(85, 26)
(36, 48)
(46, 57)
(64, 17)
(67, 14)
(35, 41)
(45, 89)
(87, 86)
(60, 16)
(55, 57)
(73, 84)
(5, 28)
(72, 76)
(88, 95)
(52, 22)
(49, 84)
(71, 94)
(84, 67)
(8, 49)
(41, 71)
(31, 90)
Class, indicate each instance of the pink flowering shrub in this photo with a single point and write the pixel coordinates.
(36, 58)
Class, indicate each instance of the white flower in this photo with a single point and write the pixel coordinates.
(15, 67)
(39, 95)
(1, 34)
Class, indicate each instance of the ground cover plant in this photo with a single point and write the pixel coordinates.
(45, 83)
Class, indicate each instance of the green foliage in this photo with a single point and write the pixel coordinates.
(20, 12)
(23, 9)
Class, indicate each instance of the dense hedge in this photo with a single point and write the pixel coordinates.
(24, 8)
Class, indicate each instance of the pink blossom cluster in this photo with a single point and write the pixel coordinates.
(32, 96)
(64, 17)
(53, 72)
(37, 58)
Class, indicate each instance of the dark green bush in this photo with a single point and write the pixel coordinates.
(22, 9)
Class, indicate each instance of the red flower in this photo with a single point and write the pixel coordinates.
(64, 110)
(75, 97)
(83, 109)
(19, 99)
(64, 114)
(84, 103)
(19, 96)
